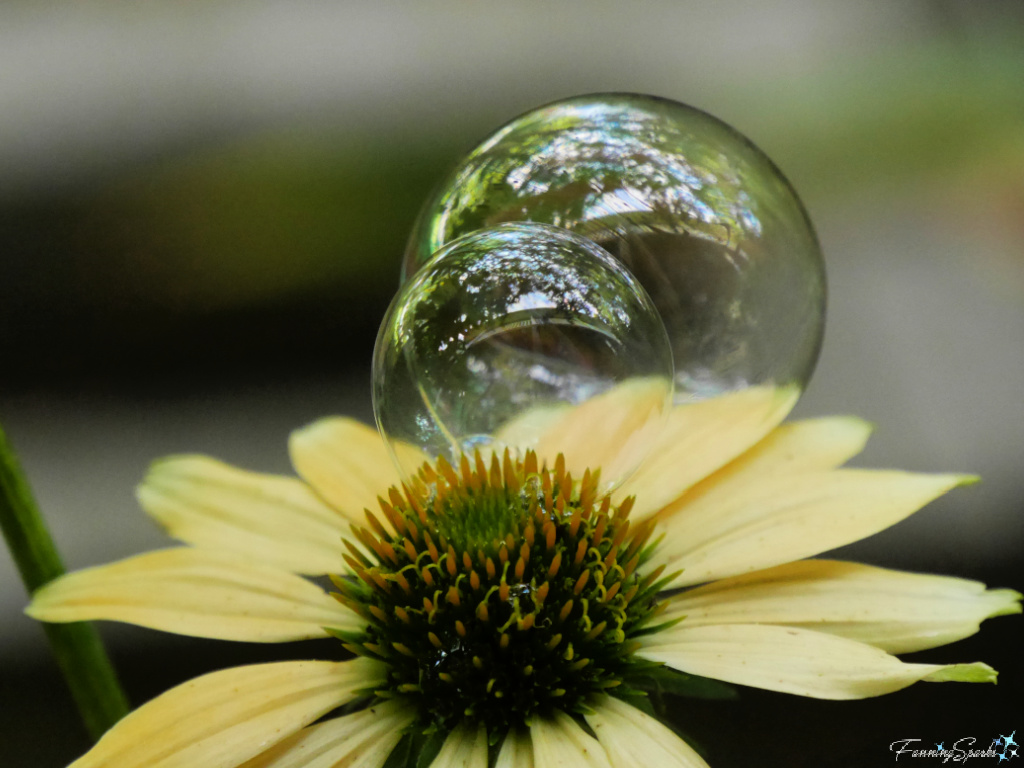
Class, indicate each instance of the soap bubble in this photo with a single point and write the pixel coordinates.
(523, 336)
(704, 220)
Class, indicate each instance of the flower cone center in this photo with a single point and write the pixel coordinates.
(499, 590)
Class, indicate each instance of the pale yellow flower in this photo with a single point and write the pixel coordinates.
(730, 503)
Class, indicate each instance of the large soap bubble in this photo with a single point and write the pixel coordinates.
(704, 220)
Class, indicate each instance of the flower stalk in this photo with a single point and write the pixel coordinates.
(77, 646)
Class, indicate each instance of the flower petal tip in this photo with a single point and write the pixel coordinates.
(170, 474)
(976, 672)
(314, 435)
(789, 391)
(170, 464)
(784, 397)
(41, 605)
(1006, 602)
(158, 469)
(859, 431)
(325, 428)
(867, 427)
(785, 400)
(944, 483)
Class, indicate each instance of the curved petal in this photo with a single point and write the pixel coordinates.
(796, 661)
(738, 528)
(634, 739)
(895, 611)
(798, 447)
(611, 431)
(347, 463)
(277, 520)
(360, 740)
(801, 446)
(516, 751)
(559, 742)
(195, 592)
(224, 718)
(702, 437)
(530, 426)
(465, 747)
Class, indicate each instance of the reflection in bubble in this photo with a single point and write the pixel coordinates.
(704, 220)
(504, 332)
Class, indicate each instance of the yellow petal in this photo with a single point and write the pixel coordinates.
(276, 520)
(795, 661)
(702, 437)
(558, 742)
(897, 612)
(612, 431)
(516, 751)
(465, 747)
(796, 448)
(347, 463)
(528, 428)
(806, 445)
(195, 592)
(634, 739)
(360, 740)
(742, 527)
(224, 718)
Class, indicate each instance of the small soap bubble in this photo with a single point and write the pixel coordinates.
(704, 220)
(523, 336)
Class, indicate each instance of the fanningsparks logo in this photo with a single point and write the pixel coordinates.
(1001, 747)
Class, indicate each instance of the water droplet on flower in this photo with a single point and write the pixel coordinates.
(523, 336)
(706, 222)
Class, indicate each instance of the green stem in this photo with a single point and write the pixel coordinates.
(77, 647)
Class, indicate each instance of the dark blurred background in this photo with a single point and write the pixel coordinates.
(203, 209)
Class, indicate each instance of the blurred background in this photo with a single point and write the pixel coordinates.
(203, 209)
